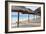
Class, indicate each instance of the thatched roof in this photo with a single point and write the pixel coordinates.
(25, 10)
(38, 11)
(21, 9)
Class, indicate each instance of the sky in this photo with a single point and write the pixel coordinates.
(32, 7)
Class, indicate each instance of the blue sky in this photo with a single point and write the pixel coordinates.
(32, 7)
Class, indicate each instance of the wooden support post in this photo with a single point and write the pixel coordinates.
(18, 20)
(28, 18)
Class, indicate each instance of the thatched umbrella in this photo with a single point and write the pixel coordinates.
(37, 11)
(21, 9)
